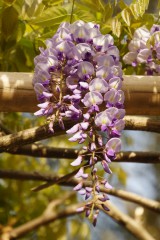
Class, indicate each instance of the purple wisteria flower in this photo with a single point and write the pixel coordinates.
(79, 77)
(144, 50)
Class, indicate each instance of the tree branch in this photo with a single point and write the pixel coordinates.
(39, 150)
(42, 220)
(32, 135)
(131, 225)
(68, 181)
(127, 222)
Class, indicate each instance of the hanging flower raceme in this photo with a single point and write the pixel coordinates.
(144, 50)
(79, 77)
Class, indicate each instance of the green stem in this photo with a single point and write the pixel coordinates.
(73, 2)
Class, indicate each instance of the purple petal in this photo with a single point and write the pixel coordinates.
(114, 144)
(84, 125)
(105, 207)
(84, 84)
(115, 83)
(77, 162)
(80, 209)
(89, 189)
(47, 94)
(73, 129)
(106, 167)
(85, 68)
(78, 186)
(92, 98)
(98, 84)
(86, 116)
(39, 112)
(108, 186)
(82, 191)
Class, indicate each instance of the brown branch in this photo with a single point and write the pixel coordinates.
(131, 225)
(39, 150)
(67, 181)
(32, 135)
(42, 220)
(128, 196)
(127, 222)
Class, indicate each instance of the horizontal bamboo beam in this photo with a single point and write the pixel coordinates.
(142, 93)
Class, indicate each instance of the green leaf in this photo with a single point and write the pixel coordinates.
(9, 2)
(9, 21)
(20, 30)
(52, 2)
(85, 15)
(116, 27)
(139, 7)
(126, 15)
(50, 17)
(135, 9)
(108, 12)
(122, 5)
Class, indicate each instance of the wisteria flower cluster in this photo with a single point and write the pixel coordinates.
(144, 49)
(79, 77)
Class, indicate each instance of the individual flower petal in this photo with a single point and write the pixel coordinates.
(105, 61)
(111, 96)
(85, 70)
(80, 209)
(142, 33)
(84, 85)
(84, 125)
(106, 167)
(115, 83)
(73, 129)
(108, 186)
(103, 118)
(114, 144)
(130, 57)
(143, 55)
(78, 186)
(105, 207)
(92, 98)
(72, 82)
(99, 85)
(77, 162)
(82, 192)
(103, 72)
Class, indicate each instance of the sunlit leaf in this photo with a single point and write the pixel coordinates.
(50, 17)
(116, 27)
(126, 15)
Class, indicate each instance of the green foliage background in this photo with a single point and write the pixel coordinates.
(25, 24)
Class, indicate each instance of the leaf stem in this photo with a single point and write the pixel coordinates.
(73, 2)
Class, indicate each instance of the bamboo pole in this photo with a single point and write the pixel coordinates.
(142, 94)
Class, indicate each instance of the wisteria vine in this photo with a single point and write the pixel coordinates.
(79, 77)
(144, 50)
